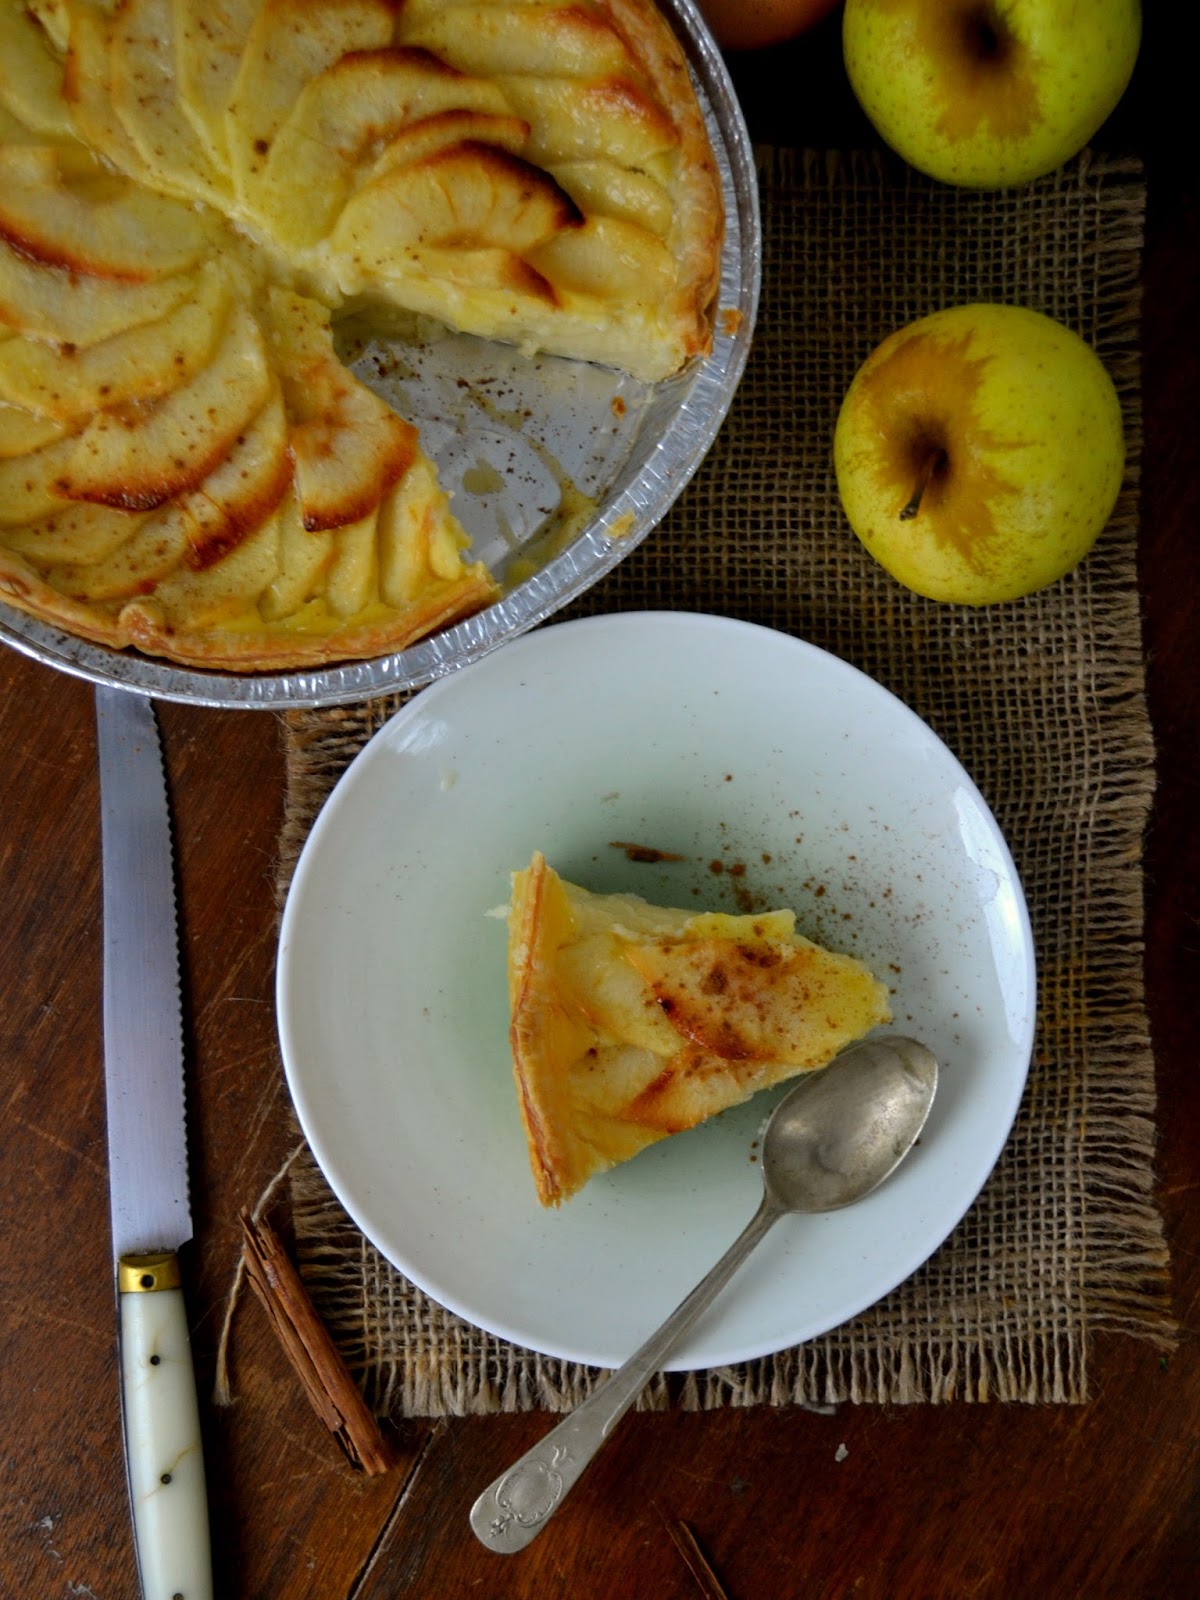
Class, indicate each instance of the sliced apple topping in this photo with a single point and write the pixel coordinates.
(29, 484)
(605, 188)
(87, 86)
(348, 448)
(101, 226)
(150, 554)
(209, 40)
(240, 494)
(31, 74)
(609, 260)
(145, 99)
(52, 17)
(54, 303)
(573, 120)
(565, 41)
(420, 540)
(347, 445)
(218, 595)
(304, 558)
(469, 196)
(352, 581)
(63, 381)
(757, 998)
(431, 135)
(341, 121)
(13, 131)
(22, 431)
(141, 455)
(290, 42)
(81, 535)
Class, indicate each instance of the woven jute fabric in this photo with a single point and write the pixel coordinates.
(1041, 699)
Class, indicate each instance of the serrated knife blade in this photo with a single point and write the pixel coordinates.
(147, 1154)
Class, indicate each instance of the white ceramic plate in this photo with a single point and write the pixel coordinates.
(737, 747)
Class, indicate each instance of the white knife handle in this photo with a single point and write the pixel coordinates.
(162, 1432)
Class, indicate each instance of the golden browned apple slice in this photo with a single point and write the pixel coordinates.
(547, 41)
(468, 196)
(605, 188)
(607, 258)
(21, 431)
(62, 381)
(209, 40)
(145, 98)
(347, 445)
(757, 996)
(226, 591)
(81, 535)
(31, 74)
(423, 140)
(102, 226)
(421, 542)
(106, 553)
(352, 580)
(29, 484)
(87, 86)
(55, 303)
(304, 558)
(152, 551)
(399, 570)
(576, 120)
(54, 20)
(238, 496)
(341, 120)
(290, 42)
(141, 455)
(12, 131)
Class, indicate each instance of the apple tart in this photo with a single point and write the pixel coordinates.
(191, 195)
(631, 1022)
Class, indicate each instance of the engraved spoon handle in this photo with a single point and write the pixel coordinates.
(513, 1510)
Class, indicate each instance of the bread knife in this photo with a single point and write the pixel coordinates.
(147, 1155)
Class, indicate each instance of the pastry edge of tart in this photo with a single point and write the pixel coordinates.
(541, 1084)
(700, 271)
(138, 625)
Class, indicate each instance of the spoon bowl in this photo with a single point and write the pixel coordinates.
(838, 1133)
(835, 1136)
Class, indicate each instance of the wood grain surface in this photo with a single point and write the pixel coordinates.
(982, 1501)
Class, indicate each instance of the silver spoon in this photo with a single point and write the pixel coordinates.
(832, 1139)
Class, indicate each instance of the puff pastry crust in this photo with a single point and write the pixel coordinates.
(631, 1022)
(189, 194)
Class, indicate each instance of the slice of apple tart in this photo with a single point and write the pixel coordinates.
(631, 1022)
(189, 195)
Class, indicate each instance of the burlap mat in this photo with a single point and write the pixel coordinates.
(1042, 700)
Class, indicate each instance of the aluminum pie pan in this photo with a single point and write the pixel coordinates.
(560, 426)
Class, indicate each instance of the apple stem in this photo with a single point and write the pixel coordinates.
(933, 460)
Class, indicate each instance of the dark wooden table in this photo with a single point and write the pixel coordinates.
(982, 1501)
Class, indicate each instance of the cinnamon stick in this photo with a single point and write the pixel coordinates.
(697, 1562)
(306, 1341)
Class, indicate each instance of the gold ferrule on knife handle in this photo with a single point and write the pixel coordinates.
(145, 1274)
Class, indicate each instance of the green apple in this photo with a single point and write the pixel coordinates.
(979, 453)
(989, 93)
